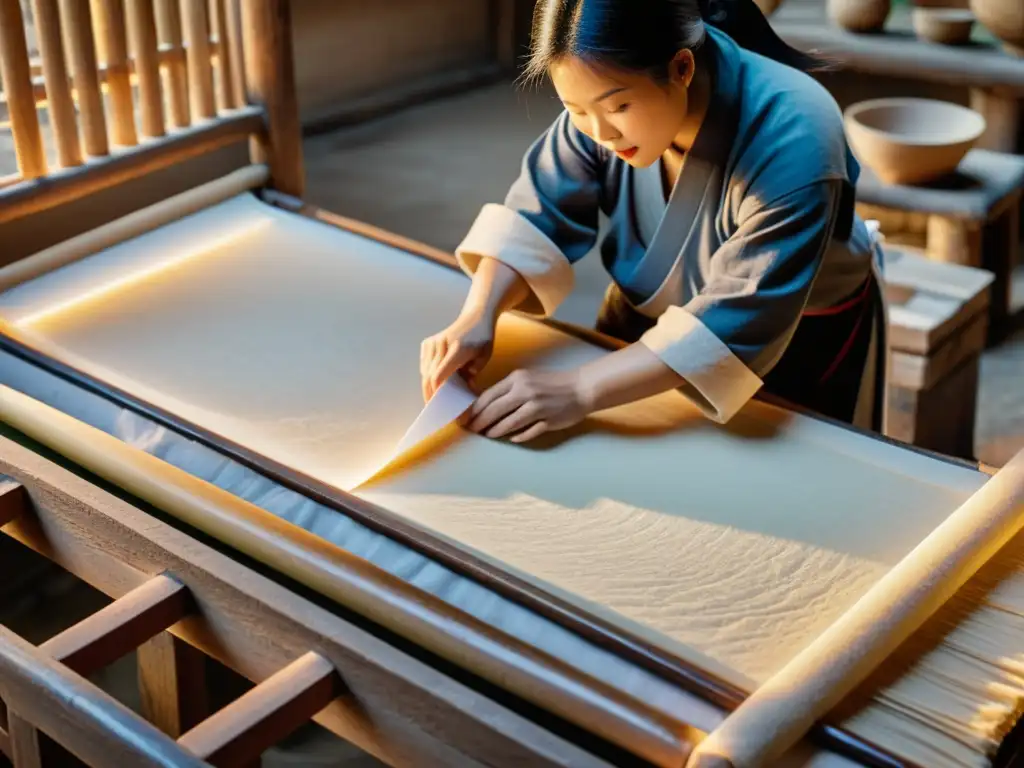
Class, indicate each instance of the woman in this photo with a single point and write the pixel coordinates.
(736, 257)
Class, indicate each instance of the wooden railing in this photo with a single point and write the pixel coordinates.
(132, 86)
(56, 716)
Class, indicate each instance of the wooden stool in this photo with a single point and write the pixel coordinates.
(938, 320)
(973, 218)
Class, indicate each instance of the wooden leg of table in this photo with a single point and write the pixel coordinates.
(1002, 115)
(32, 749)
(954, 241)
(941, 418)
(1000, 254)
(172, 684)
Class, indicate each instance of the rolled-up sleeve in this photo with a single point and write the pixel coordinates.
(548, 221)
(726, 339)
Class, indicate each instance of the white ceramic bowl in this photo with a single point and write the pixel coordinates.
(911, 141)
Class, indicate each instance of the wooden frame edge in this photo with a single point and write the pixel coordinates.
(123, 547)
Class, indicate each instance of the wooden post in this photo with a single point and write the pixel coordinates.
(235, 51)
(1001, 111)
(112, 39)
(503, 27)
(16, 74)
(172, 684)
(78, 40)
(142, 32)
(200, 70)
(270, 82)
(58, 87)
(168, 25)
(225, 81)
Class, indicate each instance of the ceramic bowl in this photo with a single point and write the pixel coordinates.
(949, 26)
(1005, 20)
(911, 141)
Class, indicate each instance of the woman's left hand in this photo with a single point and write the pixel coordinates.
(529, 403)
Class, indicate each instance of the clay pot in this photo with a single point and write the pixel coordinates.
(949, 26)
(911, 141)
(859, 15)
(1005, 20)
(768, 7)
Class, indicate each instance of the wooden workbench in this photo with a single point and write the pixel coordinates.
(995, 79)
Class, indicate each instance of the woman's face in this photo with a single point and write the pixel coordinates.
(629, 114)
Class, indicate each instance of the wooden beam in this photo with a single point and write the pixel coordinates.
(14, 500)
(81, 46)
(16, 75)
(396, 708)
(270, 82)
(69, 184)
(90, 724)
(172, 684)
(60, 105)
(121, 627)
(143, 41)
(267, 714)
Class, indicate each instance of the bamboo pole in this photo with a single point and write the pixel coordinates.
(78, 40)
(142, 34)
(112, 40)
(17, 78)
(168, 25)
(74, 183)
(235, 52)
(197, 54)
(225, 82)
(270, 81)
(58, 87)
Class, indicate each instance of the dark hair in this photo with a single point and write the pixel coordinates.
(645, 35)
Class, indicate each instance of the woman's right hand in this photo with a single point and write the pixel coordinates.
(464, 346)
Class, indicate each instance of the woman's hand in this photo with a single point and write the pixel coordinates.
(465, 345)
(528, 403)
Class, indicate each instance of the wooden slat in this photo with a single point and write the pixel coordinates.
(397, 708)
(78, 40)
(172, 684)
(235, 50)
(200, 70)
(268, 713)
(270, 80)
(115, 69)
(58, 87)
(14, 501)
(168, 25)
(17, 80)
(26, 749)
(121, 627)
(225, 78)
(74, 183)
(143, 40)
(89, 723)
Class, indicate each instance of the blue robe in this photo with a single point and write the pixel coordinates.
(758, 239)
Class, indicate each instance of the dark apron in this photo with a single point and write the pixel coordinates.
(823, 366)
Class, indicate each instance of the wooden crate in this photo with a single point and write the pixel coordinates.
(938, 317)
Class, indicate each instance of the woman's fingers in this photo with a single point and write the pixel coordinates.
(532, 433)
(519, 419)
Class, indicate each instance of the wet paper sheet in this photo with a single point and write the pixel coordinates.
(448, 404)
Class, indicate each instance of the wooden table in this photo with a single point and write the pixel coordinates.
(995, 79)
(973, 219)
